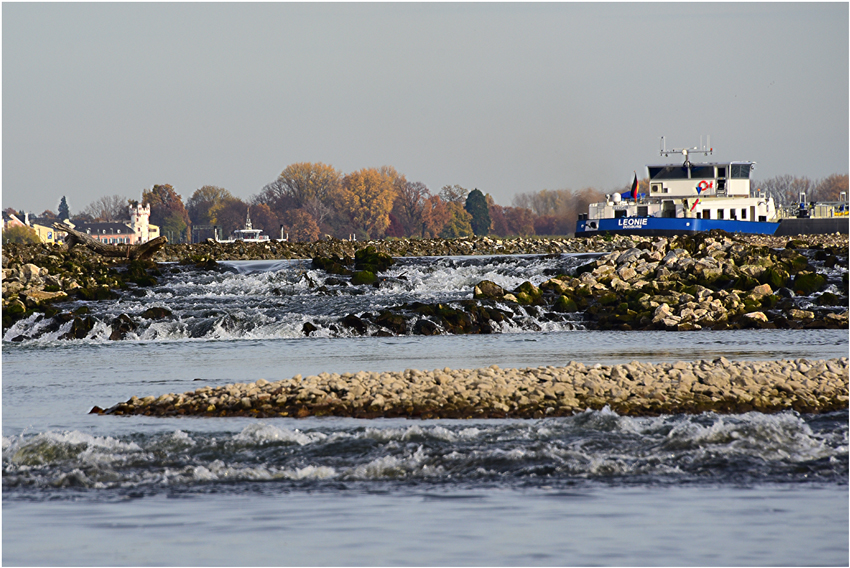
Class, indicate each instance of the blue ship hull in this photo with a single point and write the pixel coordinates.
(668, 226)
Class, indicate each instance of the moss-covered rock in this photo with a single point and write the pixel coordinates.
(565, 304)
(372, 260)
(806, 283)
(528, 293)
(776, 277)
(364, 277)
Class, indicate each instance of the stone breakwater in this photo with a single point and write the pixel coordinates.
(710, 280)
(643, 283)
(706, 281)
(274, 250)
(809, 386)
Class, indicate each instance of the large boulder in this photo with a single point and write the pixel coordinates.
(487, 290)
(34, 298)
(806, 283)
(370, 259)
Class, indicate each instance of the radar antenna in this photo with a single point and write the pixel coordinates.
(686, 151)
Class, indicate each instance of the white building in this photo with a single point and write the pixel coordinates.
(140, 223)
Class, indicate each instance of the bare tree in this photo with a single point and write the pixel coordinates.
(454, 194)
(318, 209)
(108, 208)
(779, 188)
(409, 206)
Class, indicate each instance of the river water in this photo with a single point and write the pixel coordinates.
(595, 488)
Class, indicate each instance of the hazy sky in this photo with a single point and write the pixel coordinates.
(103, 99)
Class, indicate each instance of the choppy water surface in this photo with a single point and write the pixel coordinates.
(595, 488)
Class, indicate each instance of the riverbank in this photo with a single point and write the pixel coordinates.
(633, 389)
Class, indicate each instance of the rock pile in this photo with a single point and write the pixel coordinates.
(271, 250)
(715, 281)
(705, 281)
(38, 277)
(635, 388)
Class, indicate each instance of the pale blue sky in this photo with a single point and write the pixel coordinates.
(102, 99)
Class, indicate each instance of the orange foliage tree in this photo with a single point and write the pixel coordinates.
(520, 220)
(167, 211)
(300, 226)
(831, 187)
(300, 183)
(262, 217)
(435, 216)
(365, 198)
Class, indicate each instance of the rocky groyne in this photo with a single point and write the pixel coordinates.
(810, 386)
(705, 281)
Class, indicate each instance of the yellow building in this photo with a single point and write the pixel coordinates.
(47, 234)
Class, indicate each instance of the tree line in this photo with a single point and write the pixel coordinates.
(786, 189)
(310, 200)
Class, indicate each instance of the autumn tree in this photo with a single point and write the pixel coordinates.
(108, 208)
(299, 183)
(202, 206)
(830, 188)
(167, 211)
(476, 206)
(435, 215)
(498, 221)
(395, 228)
(459, 223)
(520, 220)
(229, 215)
(262, 217)
(320, 211)
(785, 189)
(300, 226)
(555, 211)
(365, 198)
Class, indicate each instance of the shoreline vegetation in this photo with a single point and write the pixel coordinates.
(632, 389)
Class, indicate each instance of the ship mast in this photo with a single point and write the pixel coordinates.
(687, 151)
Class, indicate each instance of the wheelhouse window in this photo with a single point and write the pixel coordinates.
(668, 172)
(740, 171)
(721, 171)
(702, 172)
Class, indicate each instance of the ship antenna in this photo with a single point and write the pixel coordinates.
(704, 149)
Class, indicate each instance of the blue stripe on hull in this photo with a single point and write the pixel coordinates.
(665, 226)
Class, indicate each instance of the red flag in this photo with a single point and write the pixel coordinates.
(635, 188)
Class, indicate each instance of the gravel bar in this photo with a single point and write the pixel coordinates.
(635, 389)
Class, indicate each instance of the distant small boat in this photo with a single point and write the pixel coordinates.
(247, 235)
